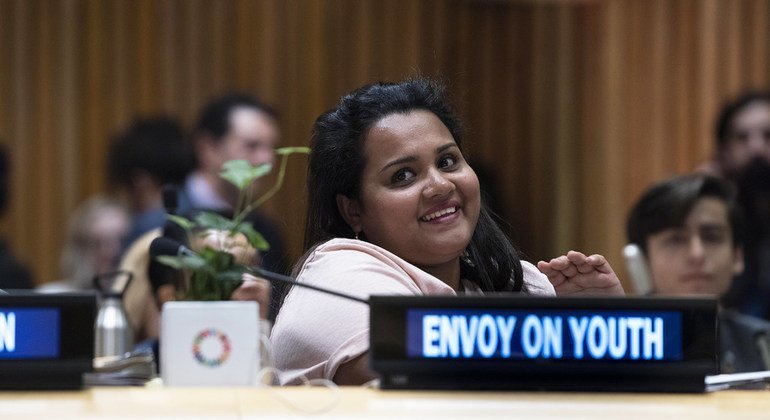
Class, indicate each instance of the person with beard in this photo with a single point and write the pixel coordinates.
(742, 135)
(742, 157)
(750, 292)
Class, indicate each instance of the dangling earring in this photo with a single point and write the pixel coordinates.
(356, 235)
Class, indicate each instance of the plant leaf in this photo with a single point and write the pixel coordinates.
(214, 273)
(241, 173)
(255, 238)
(204, 286)
(217, 259)
(185, 223)
(214, 221)
(233, 275)
(191, 262)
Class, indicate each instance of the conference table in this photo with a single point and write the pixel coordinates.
(359, 402)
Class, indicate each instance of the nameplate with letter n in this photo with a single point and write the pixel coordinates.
(519, 342)
(46, 340)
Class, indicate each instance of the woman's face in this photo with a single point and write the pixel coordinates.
(419, 198)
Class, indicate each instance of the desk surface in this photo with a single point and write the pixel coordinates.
(350, 402)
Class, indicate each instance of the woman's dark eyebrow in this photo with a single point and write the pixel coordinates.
(446, 146)
(409, 159)
(399, 161)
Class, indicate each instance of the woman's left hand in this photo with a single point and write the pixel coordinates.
(575, 273)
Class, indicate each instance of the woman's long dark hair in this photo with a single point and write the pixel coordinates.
(337, 163)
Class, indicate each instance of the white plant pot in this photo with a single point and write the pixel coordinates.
(209, 343)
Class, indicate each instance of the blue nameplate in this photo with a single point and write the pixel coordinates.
(46, 340)
(520, 342)
(29, 333)
(544, 334)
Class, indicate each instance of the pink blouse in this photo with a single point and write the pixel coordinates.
(315, 333)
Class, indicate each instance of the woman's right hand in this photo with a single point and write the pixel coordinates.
(574, 274)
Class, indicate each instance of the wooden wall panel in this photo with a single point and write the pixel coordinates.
(574, 106)
(6, 34)
(45, 143)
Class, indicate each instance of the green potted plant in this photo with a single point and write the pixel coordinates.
(205, 338)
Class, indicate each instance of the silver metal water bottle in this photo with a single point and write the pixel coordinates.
(114, 336)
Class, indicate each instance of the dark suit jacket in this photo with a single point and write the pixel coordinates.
(744, 342)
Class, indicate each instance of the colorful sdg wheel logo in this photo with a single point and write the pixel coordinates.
(211, 347)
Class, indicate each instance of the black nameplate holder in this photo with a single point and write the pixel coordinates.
(46, 340)
(511, 342)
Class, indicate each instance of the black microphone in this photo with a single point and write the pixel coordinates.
(167, 246)
(163, 245)
(170, 198)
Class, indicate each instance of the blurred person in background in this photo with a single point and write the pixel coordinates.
(235, 126)
(13, 274)
(231, 126)
(742, 135)
(750, 292)
(92, 246)
(148, 155)
(691, 232)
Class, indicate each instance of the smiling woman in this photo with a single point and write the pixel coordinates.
(418, 199)
(395, 209)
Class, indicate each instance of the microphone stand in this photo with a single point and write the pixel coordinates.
(169, 246)
(288, 280)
